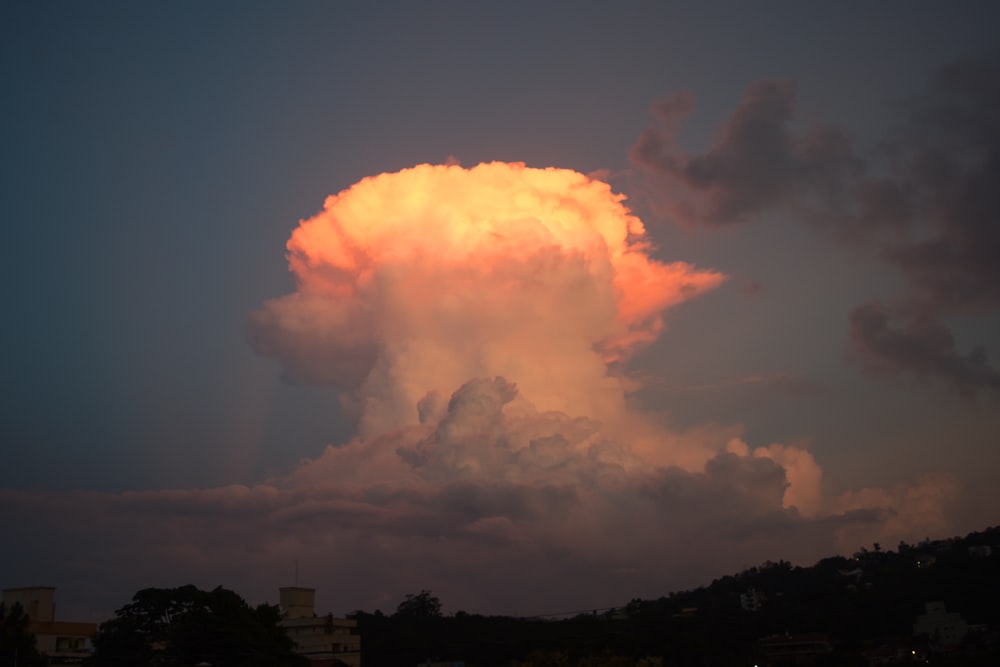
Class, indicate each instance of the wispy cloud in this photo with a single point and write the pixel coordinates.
(925, 201)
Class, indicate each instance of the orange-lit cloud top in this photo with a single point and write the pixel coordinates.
(471, 314)
(417, 281)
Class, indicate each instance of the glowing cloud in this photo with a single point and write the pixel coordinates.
(415, 282)
(475, 318)
(474, 315)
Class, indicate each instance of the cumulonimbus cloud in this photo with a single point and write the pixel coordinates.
(417, 281)
(476, 316)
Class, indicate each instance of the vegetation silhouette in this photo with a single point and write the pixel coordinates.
(17, 644)
(853, 608)
(423, 605)
(170, 627)
(858, 605)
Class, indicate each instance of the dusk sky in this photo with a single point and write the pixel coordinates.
(540, 306)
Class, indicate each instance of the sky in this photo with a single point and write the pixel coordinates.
(541, 307)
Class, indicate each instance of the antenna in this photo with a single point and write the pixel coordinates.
(296, 572)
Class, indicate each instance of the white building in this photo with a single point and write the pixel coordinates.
(63, 642)
(947, 629)
(752, 600)
(326, 641)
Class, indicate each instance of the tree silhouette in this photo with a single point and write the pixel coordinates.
(17, 644)
(421, 605)
(188, 626)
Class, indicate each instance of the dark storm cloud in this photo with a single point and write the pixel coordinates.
(927, 202)
(756, 163)
(887, 340)
(949, 159)
(946, 197)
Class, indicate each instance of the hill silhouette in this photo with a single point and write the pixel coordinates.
(841, 611)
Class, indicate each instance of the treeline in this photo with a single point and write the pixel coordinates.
(869, 600)
(857, 603)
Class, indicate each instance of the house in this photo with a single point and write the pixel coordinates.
(326, 641)
(981, 551)
(62, 642)
(686, 612)
(752, 600)
(943, 628)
